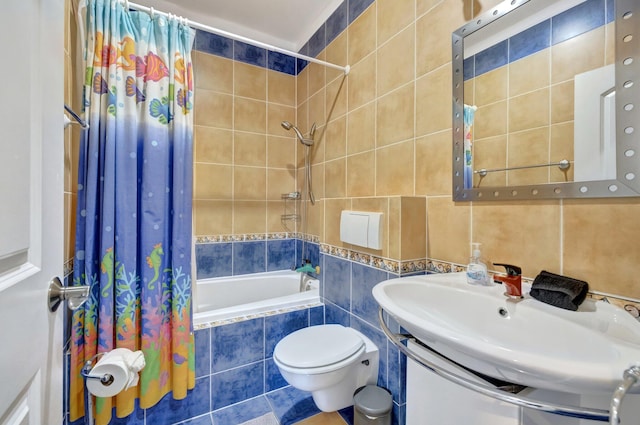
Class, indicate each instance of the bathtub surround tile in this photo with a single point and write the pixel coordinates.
(235, 385)
(317, 42)
(337, 22)
(277, 327)
(202, 420)
(280, 254)
(203, 350)
(242, 412)
(237, 344)
(214, 44)
(336, 315)
(316, 316)
(249, 257)
(214, 260)
(282, 63)
(168, 410)
(292, 405)
(356, 7)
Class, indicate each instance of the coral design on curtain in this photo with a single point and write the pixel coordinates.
(133, 224)
(469, 112)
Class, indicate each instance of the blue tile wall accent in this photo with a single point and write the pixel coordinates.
(278, 326)
(213, 44)
(492, 58)
(337, 281)
(292, 405)
(316, 316)
(273, 379)
(136, 418)
(242, 412)
(237, 344)
(347, 414)
(301, 63)
(282, 63)
(579, 19)
(363, 280)
(397, 374)
(214, 260)
(236, 385)
(380, 340)
(337, 22)
(203, 350)
(247, 53)
(356, 7)
(169, 411)
(317, 42)
(281, 254)
(334, 314)
(249, 257)
(530, 41)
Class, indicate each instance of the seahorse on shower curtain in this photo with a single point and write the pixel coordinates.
(107, 267)
(154, 260)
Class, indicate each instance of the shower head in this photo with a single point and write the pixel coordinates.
(288, 126)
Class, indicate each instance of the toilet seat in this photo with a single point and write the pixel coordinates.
(325, 347)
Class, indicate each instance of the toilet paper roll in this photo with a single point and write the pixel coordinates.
(122, 365)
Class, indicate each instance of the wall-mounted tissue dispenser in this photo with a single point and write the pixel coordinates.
(361, 228)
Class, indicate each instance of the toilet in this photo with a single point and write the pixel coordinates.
(330, 361)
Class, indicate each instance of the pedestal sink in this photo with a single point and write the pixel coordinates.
(525, 342)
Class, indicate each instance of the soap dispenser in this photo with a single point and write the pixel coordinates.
(476, 270)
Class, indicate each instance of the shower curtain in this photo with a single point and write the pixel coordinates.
(133, 223)
(468, 115)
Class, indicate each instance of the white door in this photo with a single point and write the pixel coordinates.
(31, 209)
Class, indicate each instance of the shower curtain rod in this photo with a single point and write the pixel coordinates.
(197, 25)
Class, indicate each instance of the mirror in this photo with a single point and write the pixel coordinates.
(546, 101)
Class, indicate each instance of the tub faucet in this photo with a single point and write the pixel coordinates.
(512, 281)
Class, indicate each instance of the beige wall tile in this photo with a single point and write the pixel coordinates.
(361, 174)
(529, 73)
(394, 169)
(317, 76)
(526, 234)
(576, 55)
(213, 145)
(281, 152)
(561, 147)
(213, 72)
(362, 87)
(275, 115)
(433, 91)
(317, 180)
(332, 210)
(433, 35)
(610, 43)
(317, 112)
(448, 229)
(414, 228)
(70, 206)
(491, 120)
(336, 139)
(335, 178)
(395, 116)
(362, 35)
(562, 102)
(249, 183)
(249, 217)
(469, 89)
(302, 86)
(250, 115)
(281, 88)
(315, 217)
(490, 153)
(275, 224)
(396, 60)
(395, 227)
(530, 110)
(212, 217)
(250, 81)
(433, 164)
(379, 204)
(361, 129)
(492, 86)
(528, 147)
(213, 109)
(336, 52)
(279, 182)
(393, 17)
(337, 96)
(601, 244)
(249, 149)
(212, 181)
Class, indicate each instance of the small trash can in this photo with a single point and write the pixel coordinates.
(372, 406)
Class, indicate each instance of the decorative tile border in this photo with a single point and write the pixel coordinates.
(245, 237)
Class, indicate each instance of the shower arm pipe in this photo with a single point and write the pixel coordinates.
(223, 33)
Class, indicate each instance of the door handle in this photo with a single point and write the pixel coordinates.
(74, 295)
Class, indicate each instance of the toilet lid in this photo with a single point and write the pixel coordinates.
(317, 346)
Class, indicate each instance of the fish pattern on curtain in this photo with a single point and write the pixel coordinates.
(133, 224)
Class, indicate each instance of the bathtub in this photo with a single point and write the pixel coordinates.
(233, 297)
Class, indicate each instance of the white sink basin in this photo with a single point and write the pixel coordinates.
(525, 342)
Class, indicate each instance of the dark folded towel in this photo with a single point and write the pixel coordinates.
(560, 291)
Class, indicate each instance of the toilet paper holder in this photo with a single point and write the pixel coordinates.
(106, 379)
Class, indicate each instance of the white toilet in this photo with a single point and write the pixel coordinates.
(330, 361)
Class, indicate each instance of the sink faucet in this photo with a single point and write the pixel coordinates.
(512, 281)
